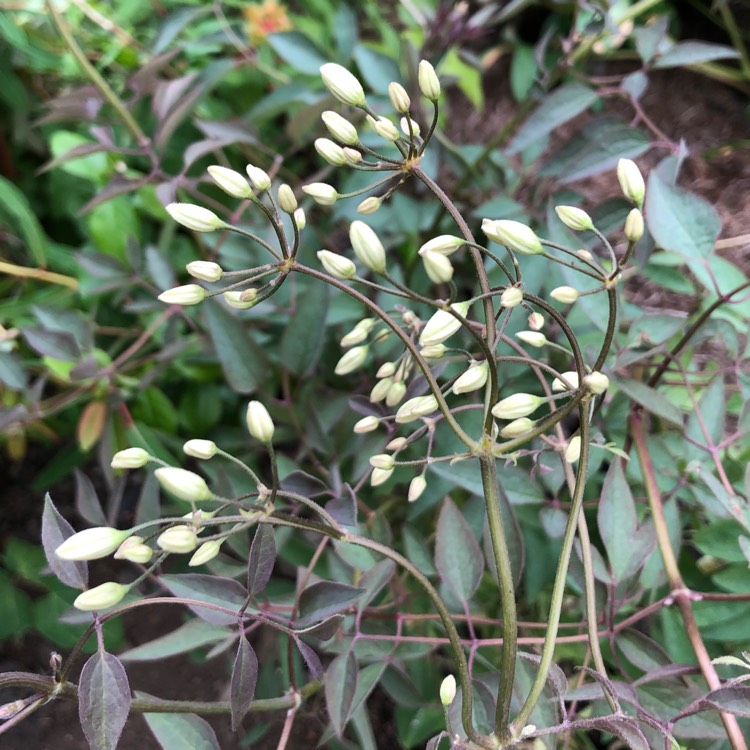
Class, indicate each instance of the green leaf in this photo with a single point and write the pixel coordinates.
(16, 607)
(377, 70)
(56, 344)
(181, 731)
(693, 52)
(468, 77)
(374, 580)
(244, 679)
(325, 598)
(340, 688)
(193, 634)
(650, 399)
(12, 373)
(299, 51)
(112, 224)
(17, 211)
(458, 557)
(303, 337)
(523, 70)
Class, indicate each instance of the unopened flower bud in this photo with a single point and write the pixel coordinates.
(435, 351)
(528, 730)
(416, 487)
(399, 98)
(445, 244)
(384, 128)
(183, 484)
(386, 370)
(340, 128)
(369, 205)
(130, 458)
(406, 123)
(342, 84)
(206, 552)
(439, 268)
(448, 690)
(188, 294)
(634, 225)
(103, 596)
(532, 338)
(571, 376)
(352, 360)
(380, 476)
(573, 449)
(396, 444)
(511, 297)
(322, 193)
(429, 83)
(367, 246)
(204, 449)
(586, 254)
(517, 427)
(92, 544)
(194, 217)
(596, 382)
(352, 155)
(536, 321)
(473, 379)
(631, 181)
(395, 394)
(231, 182)
(442, 325)
(300, 221)
(337, 265)
(414, 408)
(565, 294)
(205, 270)
(134, 550)
(359, 333)
(517, 405)
(513, 234)
(574, 218)
(240, 300)
(382, 461)
(380, 390)
(259, 422)
(330, 151)
(286, 199)
(366, 424)
(258, 177)
(179, 539)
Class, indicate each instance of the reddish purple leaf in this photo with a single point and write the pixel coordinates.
(55, 530)
(261, 559)
(244, 678)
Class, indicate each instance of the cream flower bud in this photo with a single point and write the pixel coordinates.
(395, 394)
(415, 129)
(342, 84)
(399, 98)
(631, 181)
(416, 487)
(366, 424)
(596, 382)
(583, 253)
(396, 444)
(382, 461)
(511, 297)
(532, 338)
(536, 321)
(435, 351)
(258, 177)
(183, 484)
(448, 690)
(517, 427)
(574, 218)
(188, 294)
(442, 325)
(205, 270)
(134, 550)
(513, 234)
(193, 217)
(439, 268)
(286, 199)
(384, 128)
(337, 265)
(573, 449)
(130, 458)
(565, 294)
(634, 225)
(359, 333)
(517, 405)
(414, 408)
(179, 539)
(231, 182)
(204, 449)
(386, 370)
(322, 193)
(380, 390)
(240, 300)
(445, 244)
(300, 221)
(369, 205)
(103, 596)
(92, 544)
(380, 476)
(340, 128)
(571, 376)
(367, 246)
(330, 151)
(259, 422)
(473, 379)
(429, 83)
(352, 360)
(206, 552)
(352, 155)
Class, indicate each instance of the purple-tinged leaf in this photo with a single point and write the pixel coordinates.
(665, 672)
(340, 687)
(367, 680)
(55, 530)
(311, 659)
(326, 598)
(694, 52)
(117, 186)
(304, 484)
(212, 590)
(55, 344)
(344, 508)
(170, 93)
(87, 501)
(374, 580)
(81, 104)
(733, 699)
(555, 677)
(181, 731)
(244, 678)
(234, 131)
(514, 539)
(12, 373)
(199, 149)
(641, 650)
(622, 727)
(323, 630)
(103, 700)
(261, 559)
(458, 558)
(145, 80)
(607, 685)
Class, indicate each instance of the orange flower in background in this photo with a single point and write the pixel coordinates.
(265, 18)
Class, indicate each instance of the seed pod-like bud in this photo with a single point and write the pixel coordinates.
(240, 300)
(367, 246)
(631, 181)
(183, 484)
(448, 690)
(395, 394)
(634, 225)
(204, 449)
(352, 155)
(206, 552)
(366, 424)
(382, 461)
(574, 218)
(179, 539)
(573, 449)
(532, 338)
(231, 182)
(442, 325)
(473, 379)
(514, 235)
(517, 427)
(571, 376)
(205, 270)
(92, 544)
(259, 422)
(415, 129)
(194, 217)
(188, 294)
(340, 128)
(396, 444)
(384, 128)
(286, 199)
(511, 297)
(517, 405)
(439, 268)
(416, 487)
(436, 351)
(414, 408)
(258, 177)
(337, 265)
(322, 193)
(596, 382)
(300, 221)
(342, 84)
(130, 458)
(359, 333)
(565, 294)
(134, 550)
(445, 244)
(352, 360)
(536, 321)
(429, 83)
(369, 205)
(380, 390)
(330, 151)
(399, 98)
(380, 476)
(103, 596)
